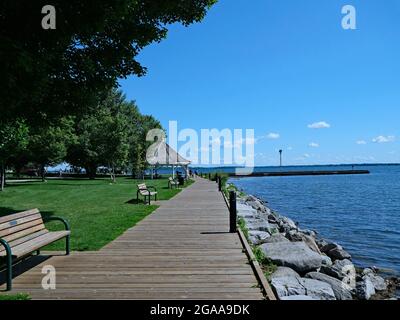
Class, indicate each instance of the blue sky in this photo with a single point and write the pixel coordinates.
(278, 67)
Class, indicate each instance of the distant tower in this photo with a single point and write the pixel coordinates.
(280, 158)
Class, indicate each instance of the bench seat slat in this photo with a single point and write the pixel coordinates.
(15, 216)
(25, 239)
(37, 243)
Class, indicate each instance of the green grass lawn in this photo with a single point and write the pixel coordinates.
(98, 211)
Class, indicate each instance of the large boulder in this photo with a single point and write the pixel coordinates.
(365, 289)
(293, 235)
(335, 251)
(377, 281)
(256, 204)
(341, 269)
(277, 237)
(326, 261)
(260, 225)
(295, 286)
(284, 272)
(258, 237)
(295, 255)
(342, 290)
(287, 224)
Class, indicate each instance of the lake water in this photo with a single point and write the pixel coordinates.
(360, 212)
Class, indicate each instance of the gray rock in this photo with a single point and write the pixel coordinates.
(341, 290)
(294, 286)
(285, 272)
(277, 238)
(326, 247)
(335, 251)
(321, 243)
(287, 222)
(308, 240)
(256, 204)
(339, 254)
(377, 281)
(309, 233)
(326, 261)
(367, 271)
(260, 225)
(295, 255)
(298, 298)
(258, 237)
(365, 289)
(341, 269)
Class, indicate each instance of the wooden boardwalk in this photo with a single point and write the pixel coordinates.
(181, 251)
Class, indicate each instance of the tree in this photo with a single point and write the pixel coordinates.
(102, 138)
(53, 73)
(14, 139)
(48, 144)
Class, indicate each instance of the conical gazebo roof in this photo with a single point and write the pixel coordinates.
(161, 154)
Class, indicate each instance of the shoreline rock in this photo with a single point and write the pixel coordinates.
(309, 267)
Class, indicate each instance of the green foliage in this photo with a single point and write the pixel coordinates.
(113, 135)
(11, 297)
(53, 73)
(48, 144)
(97, 210)
(14, 138)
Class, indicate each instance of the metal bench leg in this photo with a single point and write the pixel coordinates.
(9, 270)
(38, 252)
(67, 245)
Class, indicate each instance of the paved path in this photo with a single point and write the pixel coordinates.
(181, 251)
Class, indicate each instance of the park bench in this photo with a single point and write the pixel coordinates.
(23, 233)
(144, 191)
(172, 182)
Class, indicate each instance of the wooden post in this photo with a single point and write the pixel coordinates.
(219, 184)
(233, 211)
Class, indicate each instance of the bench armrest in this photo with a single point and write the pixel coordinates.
(6, 246)
(65, 222)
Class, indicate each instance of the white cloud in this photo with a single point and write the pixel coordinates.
(319, 125)
(289, 148)
(273, 136)
(313, 145)
(361, 142)
(306, 155)
(384, 139)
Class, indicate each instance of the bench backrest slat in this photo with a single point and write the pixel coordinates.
(22, 224)
(18, 215)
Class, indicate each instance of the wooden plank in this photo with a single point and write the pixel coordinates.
(25, 239)
(23, 233)
(18, 215)
(12, 223)
(22, 226)
(39, 242)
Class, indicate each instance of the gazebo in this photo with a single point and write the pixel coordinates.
(161, 154)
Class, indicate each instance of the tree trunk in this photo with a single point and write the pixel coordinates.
(91, 171)
(43, 172)
(2, 176)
